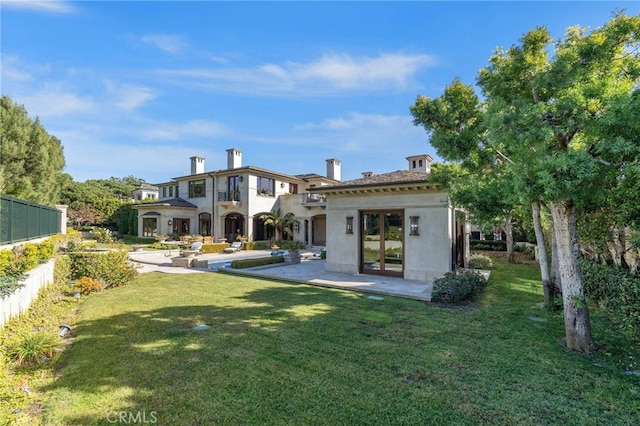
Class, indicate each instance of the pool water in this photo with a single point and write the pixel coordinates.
(214, 266)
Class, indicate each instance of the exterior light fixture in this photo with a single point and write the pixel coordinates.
(64, 329)
(281, 184)
(413, 225)
(240, 178)
(349, 229)
(170, 222)
(296, 226)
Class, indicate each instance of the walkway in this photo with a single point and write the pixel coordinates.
(308, 271)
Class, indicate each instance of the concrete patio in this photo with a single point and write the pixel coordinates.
(308, 271)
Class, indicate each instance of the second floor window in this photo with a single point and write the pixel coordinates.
(266, 186)
(197, 188)
(293, 188)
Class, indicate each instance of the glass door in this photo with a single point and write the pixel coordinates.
(382, 249)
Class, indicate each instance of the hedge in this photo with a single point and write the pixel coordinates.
(457, 288)
(616, 292)
(214, 247)
(488, 245)
(112, 268)
(260, 261)
(257, 245)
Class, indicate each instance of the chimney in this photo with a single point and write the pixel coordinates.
(333, 169)
(197, 165)
(368, 174)
(420, 163)
(234, 159)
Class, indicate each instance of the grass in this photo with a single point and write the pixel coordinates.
(293, 354)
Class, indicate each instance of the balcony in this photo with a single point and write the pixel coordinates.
(314, 200)
(229, 199)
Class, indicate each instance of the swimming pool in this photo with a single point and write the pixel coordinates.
(214, 266)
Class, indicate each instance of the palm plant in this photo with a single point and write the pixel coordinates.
(281, 223)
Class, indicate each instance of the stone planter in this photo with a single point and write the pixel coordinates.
(292, 256)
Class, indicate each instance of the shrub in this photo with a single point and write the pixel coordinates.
(457, 288)
(112, 268)
(26, 257)
(214, 247)
(616, 292)
(480, 261)
(46, 250)
(488, 245)
(88, 285)
(102, 235)
(29, 348)
(10, 283)
(256, 245)
(323, 254)
(249, 263)
(6, 262)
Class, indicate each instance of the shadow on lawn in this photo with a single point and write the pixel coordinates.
(177, 375)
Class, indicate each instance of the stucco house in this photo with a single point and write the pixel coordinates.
(396, 224)
(228, 202)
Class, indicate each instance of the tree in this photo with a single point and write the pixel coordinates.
(546, 116)
(31, 160)
(282, 224)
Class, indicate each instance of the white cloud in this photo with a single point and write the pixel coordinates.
(55, 101)
(13, 69)
(49, 6)
(129, 97)
(202, 129)
(166, 42)
(329, 75)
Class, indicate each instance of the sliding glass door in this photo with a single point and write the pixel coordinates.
(381, 245)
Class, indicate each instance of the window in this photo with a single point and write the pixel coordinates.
(293, 188)
(171, 191)
(177, 194)
(164, 192)
(414, 164)
(266, 186)
(420, 163)
(197, 188)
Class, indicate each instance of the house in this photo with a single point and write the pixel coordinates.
(145, 192)
(397, 224)
(227, 203)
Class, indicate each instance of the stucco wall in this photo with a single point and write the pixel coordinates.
(427, 255)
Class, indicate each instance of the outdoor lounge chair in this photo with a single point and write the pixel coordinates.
(234, 247)
(196, 248)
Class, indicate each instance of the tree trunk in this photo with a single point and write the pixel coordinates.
(547, 285)
(576, 315)
(555, 267)
(508, 230)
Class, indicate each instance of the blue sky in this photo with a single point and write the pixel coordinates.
(136, 88)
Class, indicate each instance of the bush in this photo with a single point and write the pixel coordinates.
(616, 292)
(88, 285)
(480, 261)
(323, 254)
(457, 288)
(102, 235)
(10, 283)
(29, 348)
(112, 268)
(488, 245)
(256, 245)
(249, 263)
(214, 247)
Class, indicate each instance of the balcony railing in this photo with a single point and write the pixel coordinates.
(228, 196)
(314, 199)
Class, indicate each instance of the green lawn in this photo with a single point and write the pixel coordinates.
(293, 354)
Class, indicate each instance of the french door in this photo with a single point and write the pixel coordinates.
(381, 242)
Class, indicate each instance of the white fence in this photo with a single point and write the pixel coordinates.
(20, 300)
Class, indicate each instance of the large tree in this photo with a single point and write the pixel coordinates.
(544, 109)
(31, 160)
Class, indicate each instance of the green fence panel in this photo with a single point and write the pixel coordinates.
(23, 220)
